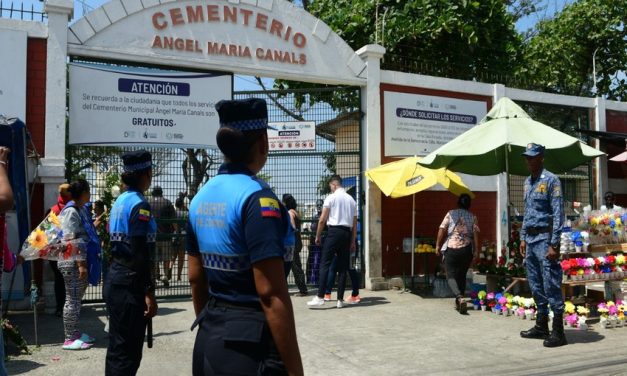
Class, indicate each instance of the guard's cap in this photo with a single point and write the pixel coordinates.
(533, 150)
(243, 114)
(137, 160)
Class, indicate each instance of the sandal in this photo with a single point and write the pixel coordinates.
(77, 344)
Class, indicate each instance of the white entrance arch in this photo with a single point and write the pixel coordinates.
(271, 38)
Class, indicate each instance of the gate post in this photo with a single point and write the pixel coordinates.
(371, 157)
(52, 169)
(600, 164)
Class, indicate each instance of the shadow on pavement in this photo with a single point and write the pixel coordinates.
(163, 334)
(168, 311)
(579, 336)
(21, 366)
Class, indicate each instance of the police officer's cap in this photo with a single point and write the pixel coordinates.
(135, 161)
(533, 150)
(244, 114)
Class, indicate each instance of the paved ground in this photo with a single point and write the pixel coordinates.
(389, 333)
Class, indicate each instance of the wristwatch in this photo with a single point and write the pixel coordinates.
(556, 246)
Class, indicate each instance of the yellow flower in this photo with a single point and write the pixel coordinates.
(38, 239)
(52, 218)
(569, 307)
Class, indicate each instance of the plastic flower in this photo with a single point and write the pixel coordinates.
(38, 239)
(490, 296)
(569, 307)
(572, 319)
(603, 310)
(565, 264)
(481, 294)
(583, 311)
(620, 260)
(502, 300)
(54, 219)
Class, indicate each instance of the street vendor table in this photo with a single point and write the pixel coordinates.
(566, 284)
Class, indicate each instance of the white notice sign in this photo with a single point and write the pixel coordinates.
(140, 106)
(297, 135)
(418, 124)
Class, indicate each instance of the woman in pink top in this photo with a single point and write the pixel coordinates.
(462, 233)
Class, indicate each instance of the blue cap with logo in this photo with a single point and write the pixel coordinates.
(137, 160)
(533, 150)
(244, 114)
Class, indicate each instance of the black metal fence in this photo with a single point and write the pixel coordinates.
(21, 12)
(180, 172)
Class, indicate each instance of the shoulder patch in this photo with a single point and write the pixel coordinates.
(269, 207)
(144, 215)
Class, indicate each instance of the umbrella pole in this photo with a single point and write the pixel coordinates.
(413, 236)
(507, 182)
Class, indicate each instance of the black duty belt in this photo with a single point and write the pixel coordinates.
(538, 230)
(345, 228)
(220, 303)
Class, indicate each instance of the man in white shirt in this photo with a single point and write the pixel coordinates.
(339, 213)
(609, 202)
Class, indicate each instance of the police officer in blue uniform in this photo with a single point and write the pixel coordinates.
(129, 287)
(540, 235)
(235, 244)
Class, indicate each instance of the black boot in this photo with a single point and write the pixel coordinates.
(540, 330)
(557, 337)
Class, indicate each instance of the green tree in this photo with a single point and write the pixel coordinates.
(559, 58)
(330, 161)
(463, 39)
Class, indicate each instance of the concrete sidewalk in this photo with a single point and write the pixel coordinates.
(389, 333)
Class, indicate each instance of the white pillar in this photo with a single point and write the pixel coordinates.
(371, 157)
(502, 189)
(52, 169)
(600, 164)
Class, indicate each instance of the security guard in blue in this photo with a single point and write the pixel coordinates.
(540, 235)
(235, 246)
(129, 287)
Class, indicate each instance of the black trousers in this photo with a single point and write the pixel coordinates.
(457, 262)
(233, 341)
(59, 286)
(127, 324)
(337, 244)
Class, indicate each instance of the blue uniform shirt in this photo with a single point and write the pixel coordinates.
(235, 221)
(130, 217)
(543, 207)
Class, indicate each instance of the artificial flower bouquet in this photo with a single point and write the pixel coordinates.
(593, 268)
(47, 241)
(605, 227)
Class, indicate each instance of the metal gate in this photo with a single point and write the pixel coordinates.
(181, 172)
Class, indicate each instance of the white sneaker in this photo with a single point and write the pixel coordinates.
(340, 303)
(315, 302)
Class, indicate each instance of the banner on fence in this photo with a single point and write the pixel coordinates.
(418, 124)
(292, 136)
(140, 106)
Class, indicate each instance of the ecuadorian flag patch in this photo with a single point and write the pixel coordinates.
(269, 207)
(144, 215)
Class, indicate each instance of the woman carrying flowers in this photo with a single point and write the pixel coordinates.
(79, 237)
(462, 231)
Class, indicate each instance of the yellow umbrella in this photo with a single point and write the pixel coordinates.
(406, 177)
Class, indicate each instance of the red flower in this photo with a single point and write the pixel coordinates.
(610, 259)
(43, 252)
(68, 251)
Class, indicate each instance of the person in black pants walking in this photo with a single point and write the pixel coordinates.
(462, 232)
(339, 214)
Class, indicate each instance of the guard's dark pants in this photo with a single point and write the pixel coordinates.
(337, 244)
(126, 304)
(234, 340)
